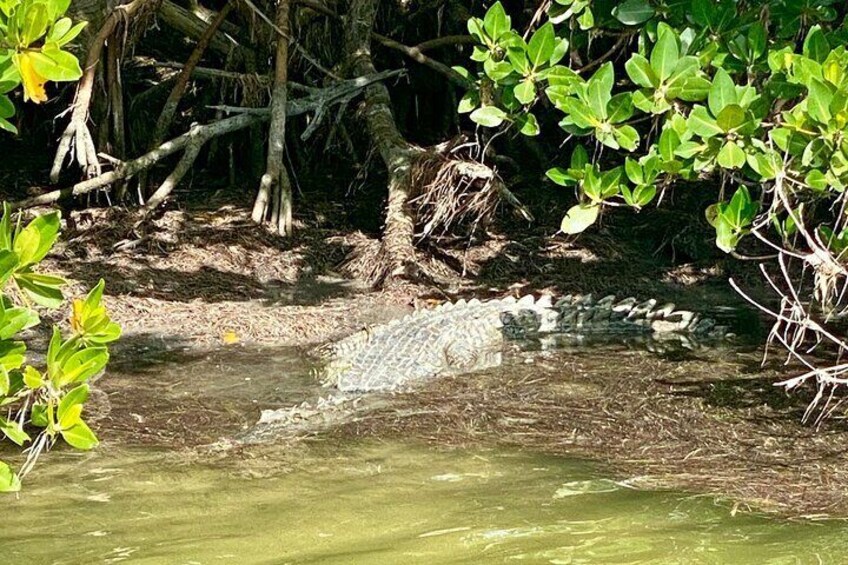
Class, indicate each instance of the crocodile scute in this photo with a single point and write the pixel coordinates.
(466, 336)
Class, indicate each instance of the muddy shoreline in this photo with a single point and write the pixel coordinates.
(204, 284)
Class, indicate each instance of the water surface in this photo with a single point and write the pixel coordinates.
(379, 503)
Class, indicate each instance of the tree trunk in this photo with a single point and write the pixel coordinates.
(396, 152)
(275, 184)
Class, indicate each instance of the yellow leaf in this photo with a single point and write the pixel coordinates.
(32, 81)
(77, 316)
(230, 337)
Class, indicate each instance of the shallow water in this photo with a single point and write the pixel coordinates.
(371, 502)
(380, 503)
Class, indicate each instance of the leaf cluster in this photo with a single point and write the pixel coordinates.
(747, 93)
(41, 404)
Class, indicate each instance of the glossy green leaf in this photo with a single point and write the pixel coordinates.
(620, 108)
(56, 65)
(527, 125)
(525, 91)
(731, 117)
(819, 100)
(701, 123)
(633, 12)
(666, 53)
(496, 22)
(488, 116)
(722, 92)
(640, 72)
(13, 431)
(80, 436)
(579, 217)
(627, 137)
(9, 481)
(816, 46)
(731, 156)
(541, 46)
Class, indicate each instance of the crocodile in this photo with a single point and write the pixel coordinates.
(467, 336)
(463, 337)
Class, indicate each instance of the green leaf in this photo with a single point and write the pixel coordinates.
(14, 431)
(70, 35)
(731, 117)
(817, 180)
(497, 70)
(666, 53)
(15, 320)
(701, 123)
(74, 397)
(819, 100)
(4, 381)
(488, 116)
(496, 22)
(620, 107)
(693, 89)
(731, 156)
(525, 91)
(560, 176)
(527, 125)
(586, 19)
(816, 46)
(8, 263)
(37, 239)
(669, 140)
(70, 417)
(35, 22)
(9, 481)
(689, 149)
(599, 90)
(541, 46)
(580, 113)
(722, 92)
(80, 436)
(39, 417)
(48, 296)
(12, 354)
(640, 72)
(82, 365)
(517, 55)
(579, 157)
(634, 171)
(559, 52)
(633, 12)
(7, 107)
(579, 217)
(627, 137)
(741, 210)
(33, 378)
(56, 65)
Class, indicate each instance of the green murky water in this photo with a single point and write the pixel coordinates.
(380, 503)
(357, 503)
